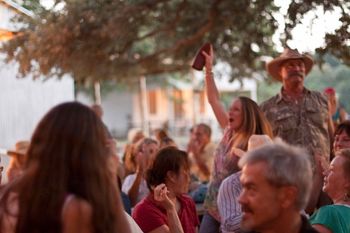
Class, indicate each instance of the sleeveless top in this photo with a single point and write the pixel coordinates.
(224, 165)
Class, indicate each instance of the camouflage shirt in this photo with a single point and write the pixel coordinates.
(303, 123)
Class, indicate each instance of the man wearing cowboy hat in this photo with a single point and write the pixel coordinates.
(18, 159)
(299, 116)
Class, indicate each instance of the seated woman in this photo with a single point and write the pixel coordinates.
(335, 218)
(167, 208)
(66, 185)
(342, 136)
(135, 185)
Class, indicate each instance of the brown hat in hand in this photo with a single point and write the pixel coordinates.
(273, 67)
(199, 60)
(255, 141)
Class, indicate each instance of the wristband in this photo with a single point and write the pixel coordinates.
(209, 73)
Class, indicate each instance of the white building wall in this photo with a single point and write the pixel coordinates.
(5, 15)
(23, 102)
(117, 107)
(157, 120)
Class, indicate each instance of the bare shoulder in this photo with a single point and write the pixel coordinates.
(76, 215)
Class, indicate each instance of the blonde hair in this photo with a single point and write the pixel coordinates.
(254, 122)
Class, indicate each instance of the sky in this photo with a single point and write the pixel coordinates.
(307, 36)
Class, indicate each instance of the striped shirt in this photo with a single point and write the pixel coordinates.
(229, 208)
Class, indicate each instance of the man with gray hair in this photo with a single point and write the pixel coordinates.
(276, 181)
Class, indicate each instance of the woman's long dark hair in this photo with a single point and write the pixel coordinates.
(67, 155)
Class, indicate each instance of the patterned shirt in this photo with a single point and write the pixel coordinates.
(225, 164)
(229, 207)
(303, 123)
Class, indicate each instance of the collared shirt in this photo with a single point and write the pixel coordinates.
(149, 214)
(303, 123)
(305, 227)
(229, 208)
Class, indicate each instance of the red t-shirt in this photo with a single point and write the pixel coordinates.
(149, 215)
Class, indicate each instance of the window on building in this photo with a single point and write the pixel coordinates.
(178, 104)
(152, 102)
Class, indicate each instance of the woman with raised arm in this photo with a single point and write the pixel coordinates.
(66, 186)
(243, 119)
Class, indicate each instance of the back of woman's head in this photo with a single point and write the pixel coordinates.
(254, 120)
(67, 155)
(169, 159)
(69, 138)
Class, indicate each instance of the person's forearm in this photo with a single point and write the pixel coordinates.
(134, 190)
(211, 89)
(174, 223)
(214, 100)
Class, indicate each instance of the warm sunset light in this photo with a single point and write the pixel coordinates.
(6, 35)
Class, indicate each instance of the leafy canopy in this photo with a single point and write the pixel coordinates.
(124, 39)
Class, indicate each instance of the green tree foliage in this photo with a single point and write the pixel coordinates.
(32, 5)
(124, 39)
(337, 43)
(337, 77)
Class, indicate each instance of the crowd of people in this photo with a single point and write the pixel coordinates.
(283, 166)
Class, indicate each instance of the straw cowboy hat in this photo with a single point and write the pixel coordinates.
(255, 141)
(273, 67)
(21, 148)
